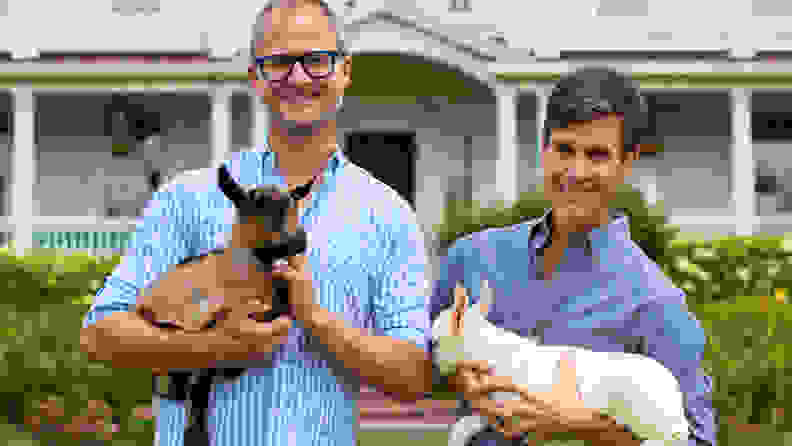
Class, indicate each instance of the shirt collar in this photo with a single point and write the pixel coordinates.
(336, 162)
(617, 228)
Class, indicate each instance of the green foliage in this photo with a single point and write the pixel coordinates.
(747, 358)
(41, 322)
(714, 270)
(50, 293)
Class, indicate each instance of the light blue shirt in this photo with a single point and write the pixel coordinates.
(369, 266)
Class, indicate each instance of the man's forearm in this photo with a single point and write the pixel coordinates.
(604, 431)
(392, 365)
(128, 341)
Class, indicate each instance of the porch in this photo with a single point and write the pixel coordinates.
(703, 171)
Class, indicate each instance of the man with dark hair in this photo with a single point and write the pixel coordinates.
(574, 276)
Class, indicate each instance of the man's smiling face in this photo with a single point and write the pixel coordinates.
(300, 100)
(584, 164)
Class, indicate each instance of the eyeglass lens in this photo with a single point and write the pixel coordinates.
(278, 66)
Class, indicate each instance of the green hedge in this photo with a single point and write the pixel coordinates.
(749, 339)
(41, 319)
(51, 293)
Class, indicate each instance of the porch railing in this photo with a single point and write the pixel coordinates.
(102, 236)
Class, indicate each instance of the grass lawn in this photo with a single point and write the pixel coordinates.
(765, 436)
(402, 438)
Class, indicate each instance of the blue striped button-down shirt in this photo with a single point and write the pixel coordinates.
(606, 295)
(368, 260)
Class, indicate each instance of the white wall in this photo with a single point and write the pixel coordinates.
(692, 175)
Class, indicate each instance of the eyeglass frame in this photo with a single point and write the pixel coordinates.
(301, 60)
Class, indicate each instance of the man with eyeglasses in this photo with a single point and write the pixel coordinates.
(366, 262)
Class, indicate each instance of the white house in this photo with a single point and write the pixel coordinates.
(451, 91)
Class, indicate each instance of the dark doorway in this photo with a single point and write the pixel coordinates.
(388, 156)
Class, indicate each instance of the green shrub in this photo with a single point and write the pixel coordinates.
(714, 270)
(746, 354)
(747, 358)
(41, 320)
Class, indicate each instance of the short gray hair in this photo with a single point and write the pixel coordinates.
(336, 21)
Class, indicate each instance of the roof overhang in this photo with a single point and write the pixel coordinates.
(661, 75)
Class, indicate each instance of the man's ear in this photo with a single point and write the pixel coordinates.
(637, 152)
(629, 157)
(347, 67)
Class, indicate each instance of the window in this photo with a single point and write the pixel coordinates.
(622, 8)
(770, 126)
(135, 7)
(460, 5)
(770, 8)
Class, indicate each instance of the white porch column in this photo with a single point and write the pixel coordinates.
(742, 161)
(221, 124)
(542, 96)
(260, 122)
(506, 164)
(23, 170)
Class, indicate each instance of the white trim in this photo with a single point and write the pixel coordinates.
(90, 223)
(542, 97)
(221, 125)
(135, 86)
(260, 121)
(54, 68)
(23, 163)
(742, 161)
(507, 161)
(707, 220)
(723, 67)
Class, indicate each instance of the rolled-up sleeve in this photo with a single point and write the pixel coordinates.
(400, 306)
(163, 237)
(676, 339)
(450, 271)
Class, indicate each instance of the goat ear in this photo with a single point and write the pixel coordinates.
(460, 297)
(460, 306)
(485, 298)
(230, 188)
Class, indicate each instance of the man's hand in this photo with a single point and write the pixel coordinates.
(471, 379)
(559, 410)
(255, 338)
(301, 290)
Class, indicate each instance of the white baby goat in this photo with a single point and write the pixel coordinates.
(634, 390)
